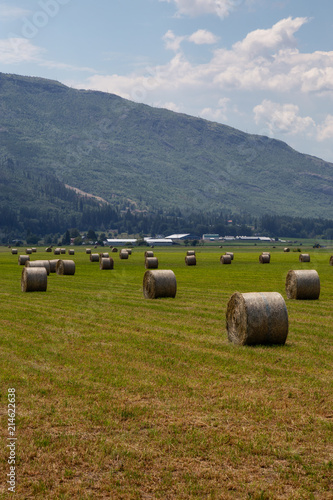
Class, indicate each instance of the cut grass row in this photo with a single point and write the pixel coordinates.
(123, 397)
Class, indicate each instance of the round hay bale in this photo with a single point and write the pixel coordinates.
(264, 258)
(114, 250)
(257, 318)
(53, 265)
(88, 250)
(34, 279)
(286, 249)
(94, 257)
(34, 250)
(56, 251)
(157, 284)
(104, 255)
(129, 251)
(190, 252)
(65, 267)
(151, 263)
(190, 260)
(23, 259)
(39, 263)
(48, 249)
(149, 253)
(225, 259)
(303, 285)
(71, 251)
(231, 255)
(331, 260)
(28, 251)
(123, 254)
(62, 251)
(106, 263)
(304, 257)
(14, 251)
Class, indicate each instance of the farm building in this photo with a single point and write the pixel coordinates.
(159, 241)
(121, 242)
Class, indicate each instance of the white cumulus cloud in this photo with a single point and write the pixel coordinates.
(283, 118)
(202, 37)
(194, 8)
(325, 130)
(11, 12)
(18, 50)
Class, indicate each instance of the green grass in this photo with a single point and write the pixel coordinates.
(123, 397)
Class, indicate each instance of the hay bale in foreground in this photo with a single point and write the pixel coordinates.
(39, 263)
(231, 255)
(158, 284)
(257, 318)
(190, 252)
(286, 249)
(106, 263)
(123, 254)
(94, 257)
(151, 263)
(14, 251)
(331, 260)
(303, 285)
(190, 260)
(225, 259)
(149, 253)
(304, 257)
(264, 258)
(65, 267)
(53, 265)
(34, 279)
(23, 259)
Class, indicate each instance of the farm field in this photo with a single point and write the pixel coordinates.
(122, 397)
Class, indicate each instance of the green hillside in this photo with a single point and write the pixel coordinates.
(144, 157)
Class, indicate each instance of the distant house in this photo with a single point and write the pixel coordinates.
(210, 237)
(177, 238)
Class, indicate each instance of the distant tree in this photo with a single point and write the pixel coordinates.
(66, 238)
(194, 243)
(78, 241)
(91, 235)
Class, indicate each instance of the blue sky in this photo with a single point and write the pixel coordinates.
(262, 66)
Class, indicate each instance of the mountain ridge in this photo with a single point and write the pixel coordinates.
(118, 150)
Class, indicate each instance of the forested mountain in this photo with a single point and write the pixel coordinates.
(144, 159)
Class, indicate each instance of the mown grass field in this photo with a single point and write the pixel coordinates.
(122, 397)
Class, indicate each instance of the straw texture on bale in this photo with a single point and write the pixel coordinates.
(104, 255)
(264, 258)
(34, 279)
(123, 254)
(71, 251)
(286, 249)
(190, 260)
(14, 251)
(231, 255)
(39, 263)
(304, 257)
(88, 250)
(28, 251)
(53, 265)
(106, 263)
(190, 252)
(158, 284)
(331, 260)
(94, 257)
(303, 285)
(225, 259)
(65, 267)
(149, 253)
(23, 259)
(151, 263)
(114, 249)
(56, 251)
(257, 318)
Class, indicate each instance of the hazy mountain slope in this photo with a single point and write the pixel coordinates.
(118, 150)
